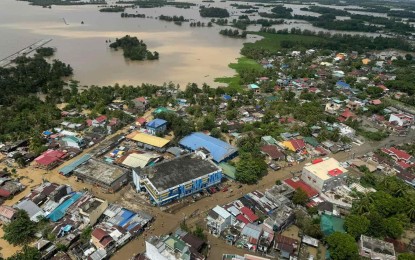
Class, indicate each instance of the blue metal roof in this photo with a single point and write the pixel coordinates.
(70, 167)
(156, 123)
(219, 149)
(342, 84)
(226, 97)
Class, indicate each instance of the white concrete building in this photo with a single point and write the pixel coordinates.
(401, 119)
(218, 220)
(324, 174)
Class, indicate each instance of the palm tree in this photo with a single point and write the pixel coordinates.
(411, 213)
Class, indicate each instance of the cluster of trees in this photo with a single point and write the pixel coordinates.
(127, 15)
(200, 24)
(173, 18)
(387, 212)
(134, 48)
(242, 6)
(281, 12)
(243, 22)
(45, 51)
(325, 10)
(177, 124)
(233, 33)
(220, 21)
(49, 3)
(112, 9)
(213, 12)
(23, 113)
(251, 167)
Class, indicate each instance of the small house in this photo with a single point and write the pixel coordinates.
(157, 126)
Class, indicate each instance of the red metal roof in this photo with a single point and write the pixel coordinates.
(318, 160)
(401, 155)
(101, 119)
(4, 193)
(347, 114)
(99, 234)
(7, 212)
(298, 144)
(249, 214)
(50, 157)
(141, 99)
(335, 172)
(299, 184)
(241, 218)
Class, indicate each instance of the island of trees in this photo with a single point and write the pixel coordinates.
(213, 12)
(45, 51)
(233, 33)
(127, 15)
(134, 48)
(112, 9)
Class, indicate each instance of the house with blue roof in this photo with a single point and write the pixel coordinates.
(226, 97)
(157, 126)
(218, 149)
(342, 85)
(73, 141)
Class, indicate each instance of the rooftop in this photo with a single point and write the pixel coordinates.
(296, 183)
(148, 139)
(326, 169)
(100, 171)
(179, 170)
(219, 149)
(156, 123)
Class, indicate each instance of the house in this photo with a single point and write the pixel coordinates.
(376, 102)
(342, 85)
(218, 219)
(296, 183)
(346, 115)
(101, 239)
(254, 87)
(281, 218)
(92, 209)
(141, 121)
(332, 107)
(7, 214)
(50, 159)
(286, 245)
(376, 249)
(157, 126)
(73, 141)
(170, 247)
(399, 155)
(273, 152)
(249, 214)
(141, 104)
(295, 145)
(268, 140)
(251, 234)
(99, 121)
(401, 119)
(32, 209)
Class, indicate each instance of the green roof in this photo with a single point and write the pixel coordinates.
(175, 243)
(71, 139)
(269, 139)
(330, 224)
(311, 141)
(161, 109)
(228, 170)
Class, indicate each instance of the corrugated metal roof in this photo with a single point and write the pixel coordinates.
(219, 149)
(148, 139)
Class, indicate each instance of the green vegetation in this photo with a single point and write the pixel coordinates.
(233, 33)
(45, 51)
(21, 230)
(134, 49)
(342, 246)
(300, 197)
(112, 9)
(27, 253)
(23, 114)
(356, 225)
(126, 15)
(325, 10)
(247, 70)
(251, 167)
(213, 12)
(49, 3)
(173, 18)
(280, 11)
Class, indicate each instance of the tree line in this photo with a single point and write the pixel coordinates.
(233, 33)
(213, 12)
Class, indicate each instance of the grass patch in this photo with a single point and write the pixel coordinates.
(235, 82)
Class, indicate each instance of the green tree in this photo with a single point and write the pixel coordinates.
(356, 225)
(86, 234)
(249, 169)
(406, 256)
(342, 246)
(21, 230)
(27, 253)
(393, 227)
(300, 197)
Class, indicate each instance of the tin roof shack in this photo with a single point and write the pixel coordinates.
(177, 178)
(7, 214)
(286, 245)
(376, 249)
(106, 176)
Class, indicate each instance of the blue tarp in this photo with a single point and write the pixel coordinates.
(342, 84)
(219, 149)
(126, 216)
(47, 133)
(226, 97)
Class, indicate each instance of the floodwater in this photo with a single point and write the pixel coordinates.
(187, 54)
